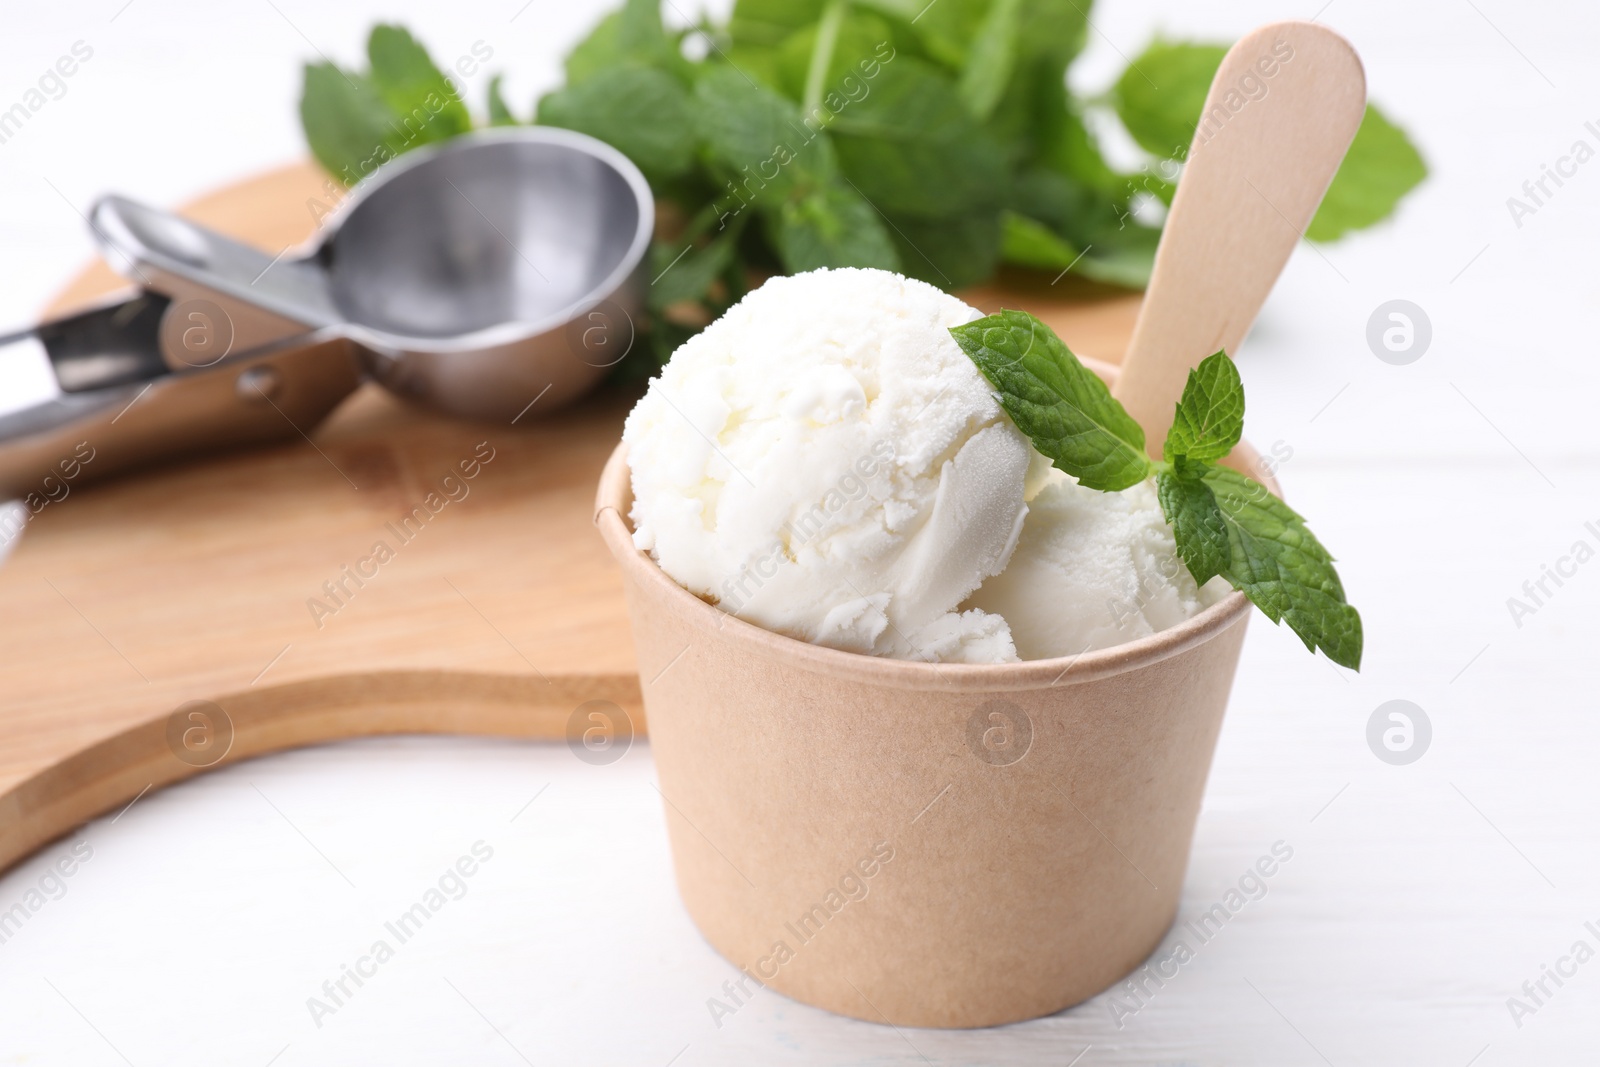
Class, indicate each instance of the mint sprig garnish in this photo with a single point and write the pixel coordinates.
(1061, 404)
(1210, 417)
(1197, 523)
(1222, 521)
(1276, 561)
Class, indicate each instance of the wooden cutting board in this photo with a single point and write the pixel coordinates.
(227, 580)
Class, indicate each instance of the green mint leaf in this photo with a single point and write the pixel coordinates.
(1070, 207)
(832, 226)
(601, 49)
(950, 253)
(1122, 255)
(1160, 95)
(770, 22)
(1381, 166)
(1197, 523)
(640, 111)
(1030, 243)
(681, 276)
(347, 124)
(1284, 570)
(947, 30)
(861, 42)
(759, 62)
(951, 30)
(1063, 407)
(756, 136)
(632, 35)
(991, 59)
(1064, 141)
(1054, 30)
(428, 106)
(819, 60)
(1210, 414)
(499, 111)
(911, 148)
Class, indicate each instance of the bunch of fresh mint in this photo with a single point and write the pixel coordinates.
(937, 139)
(1223, 522)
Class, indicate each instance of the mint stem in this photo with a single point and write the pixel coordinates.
(822, 55)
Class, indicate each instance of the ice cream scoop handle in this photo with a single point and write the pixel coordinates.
(1282, 110)
(266, 298)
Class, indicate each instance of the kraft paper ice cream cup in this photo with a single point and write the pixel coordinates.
(938, 845)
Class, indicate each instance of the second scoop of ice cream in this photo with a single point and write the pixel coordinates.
(1093, 570)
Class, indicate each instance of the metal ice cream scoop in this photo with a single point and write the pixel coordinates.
(477, 277)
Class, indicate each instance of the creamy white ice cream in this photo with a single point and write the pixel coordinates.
(1093, 570)
(824, 461)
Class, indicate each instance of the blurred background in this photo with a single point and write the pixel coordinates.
(1421, 896)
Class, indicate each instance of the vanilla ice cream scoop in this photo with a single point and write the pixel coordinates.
(1093, 570)
(824, 461)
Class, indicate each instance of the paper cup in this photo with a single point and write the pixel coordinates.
(936, 845)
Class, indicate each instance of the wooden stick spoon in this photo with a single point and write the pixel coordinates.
(1281, 112)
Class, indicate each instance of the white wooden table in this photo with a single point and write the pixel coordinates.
(1419, 897)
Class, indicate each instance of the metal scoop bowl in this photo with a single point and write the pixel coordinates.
(457, 269)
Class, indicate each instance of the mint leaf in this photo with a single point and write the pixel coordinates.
(1121, 256)
(1197, 523)
(1210, 415)
(1065, 143)
(950, 29)
(911, 147)
(1276, 561)
(950, 253)
(1031, 243)
(1381, 167)
(1161, 94)
(640, 111)
(1071, 207)
(499, 112)
(756, 135)
(632, 35)
(426, 102)
(946, 29)
(1225, 523)
(1063, 407)
(832, 226)
(992, 57)
(1055, 30)
(769, 22)
(681, 275)
(347, 124)
(860, 43)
